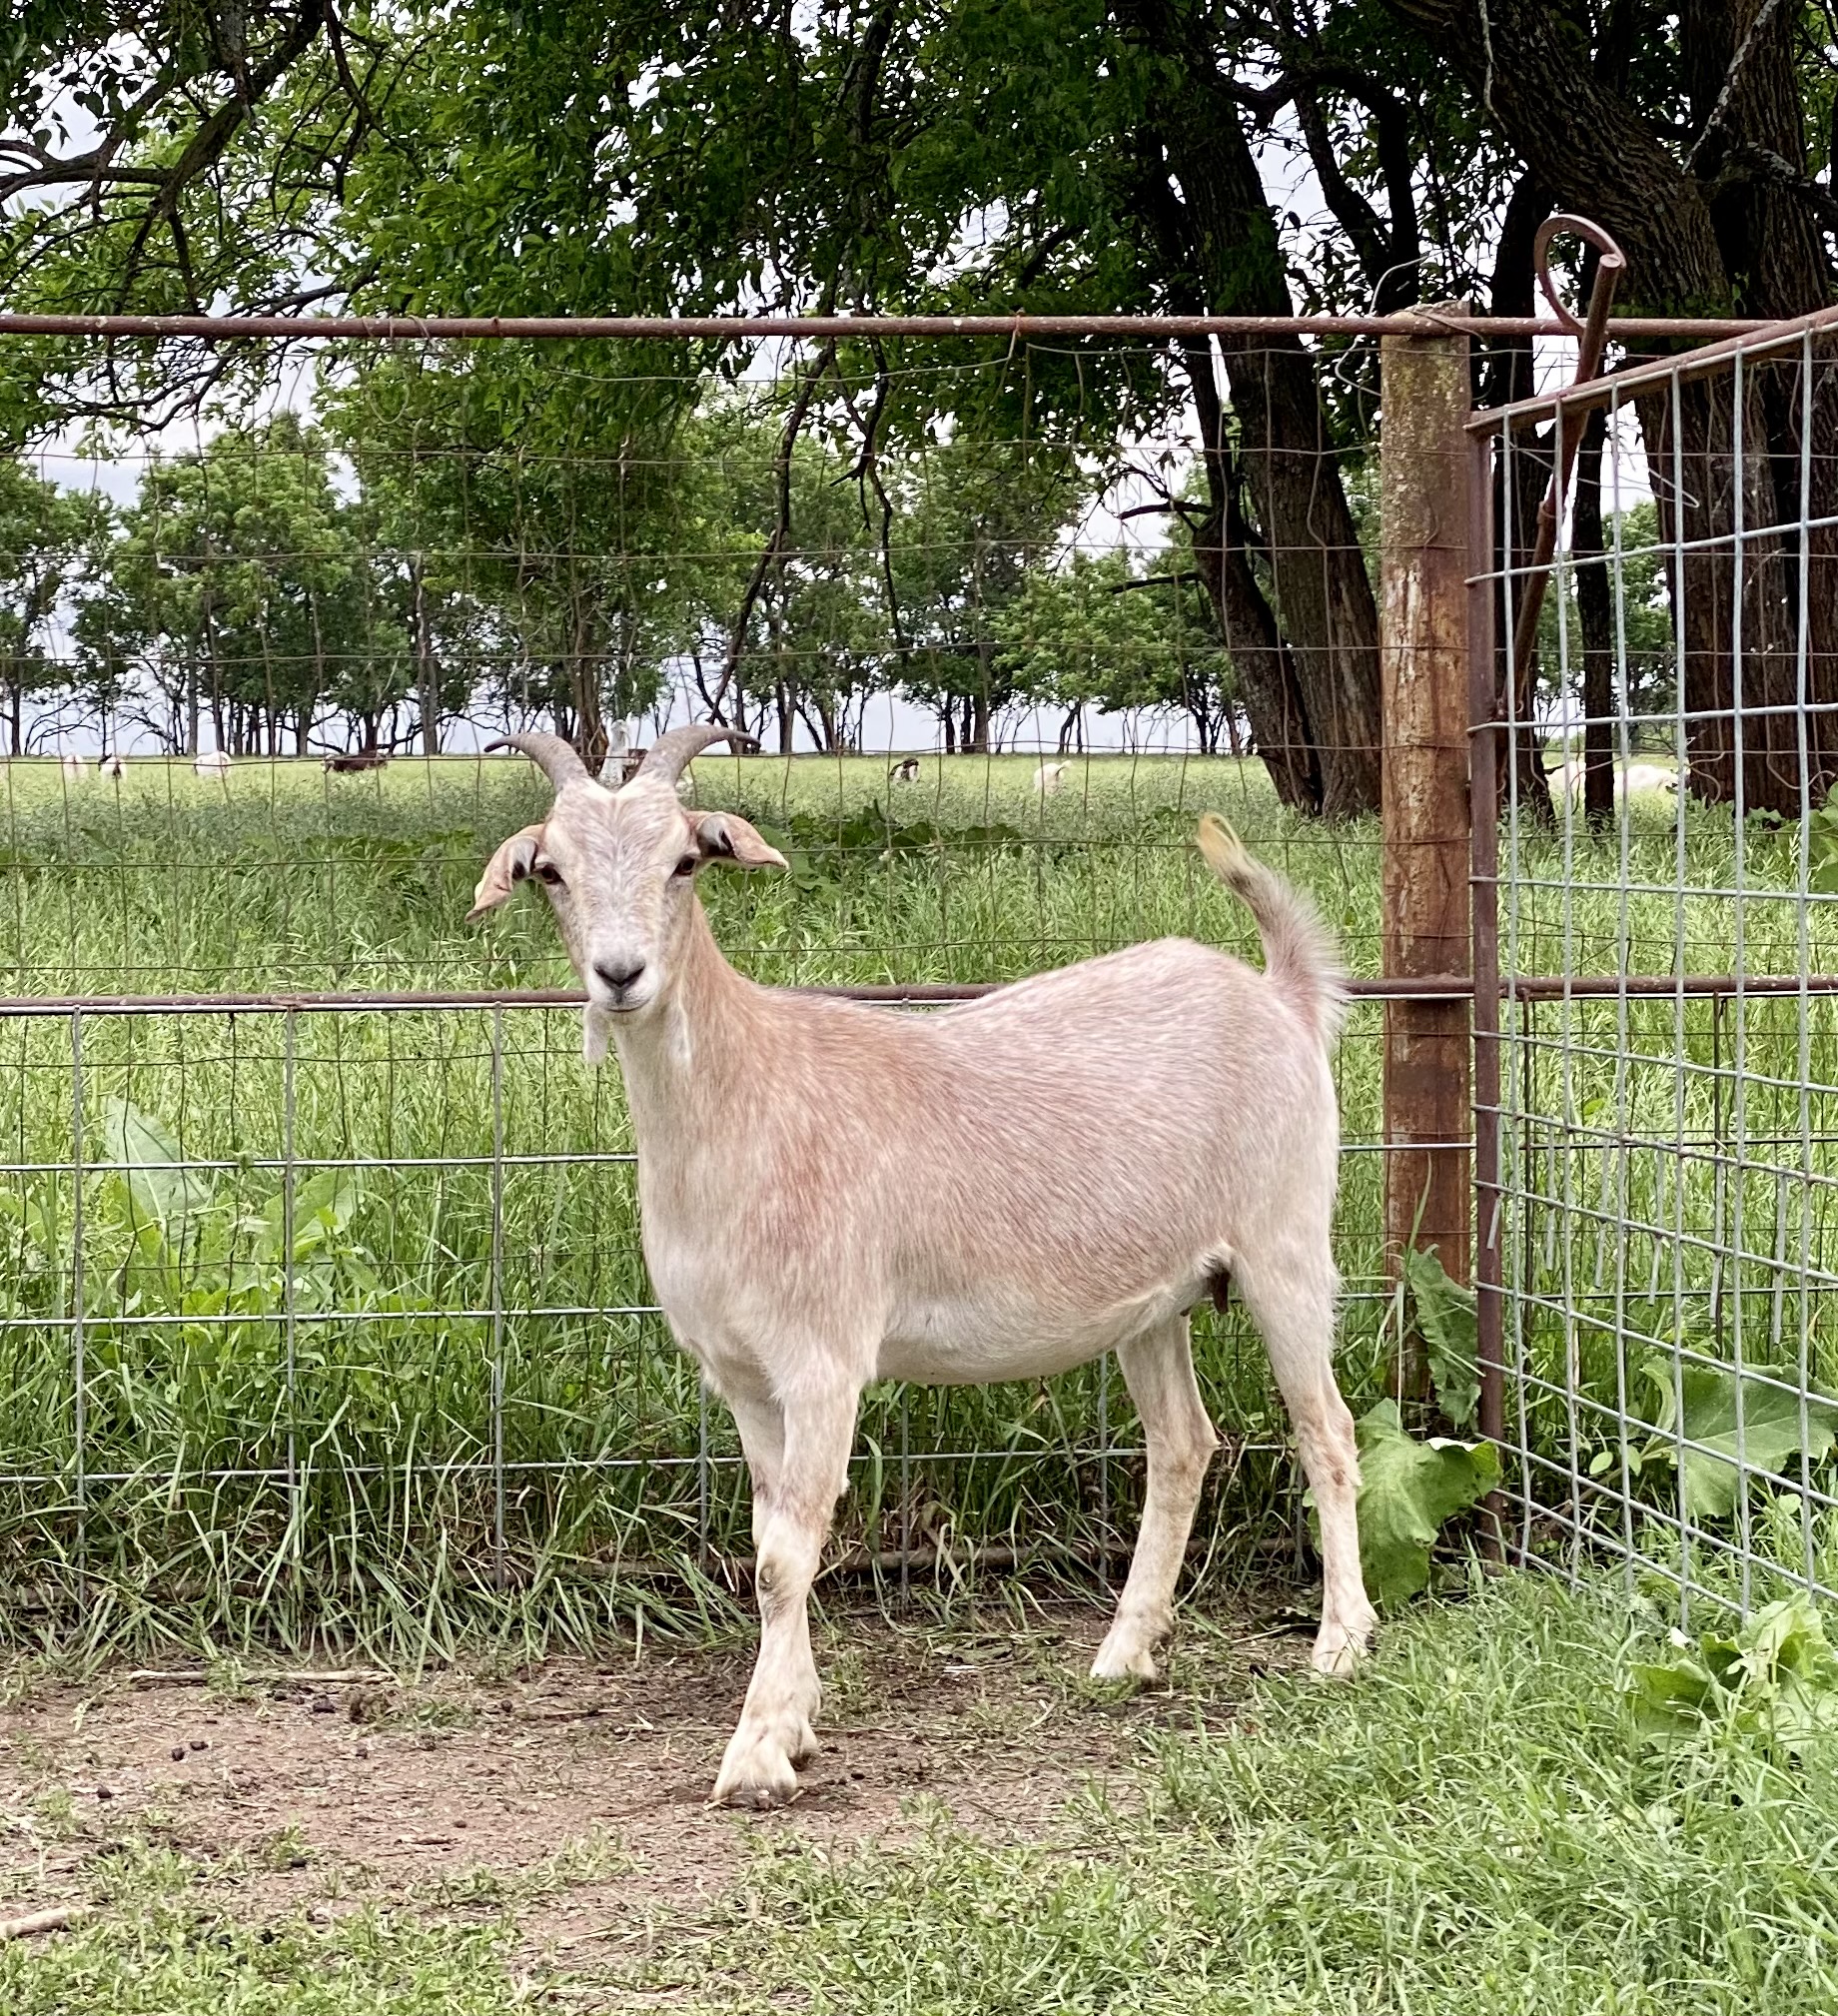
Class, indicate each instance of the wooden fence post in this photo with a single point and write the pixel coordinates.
(1423, 677)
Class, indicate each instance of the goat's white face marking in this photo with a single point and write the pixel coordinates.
(619, 869)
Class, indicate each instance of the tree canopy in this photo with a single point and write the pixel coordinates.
(1105, 155)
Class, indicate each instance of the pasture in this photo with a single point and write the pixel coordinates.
(451, 1413)
(383, 1419)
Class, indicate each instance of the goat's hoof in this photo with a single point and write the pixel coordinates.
(1124, 1660)
(803, 1746)
(756, 1773)
(1340, 1649)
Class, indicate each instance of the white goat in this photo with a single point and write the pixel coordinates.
(73, 768)
(1636, 781)
(212, 764)
(832, 1194)
(1047, 777)
(110, 766)
(905, 771)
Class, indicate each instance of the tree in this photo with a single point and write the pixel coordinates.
(45, 533)
(238, 585)
(1098, 631)
(1694, 139)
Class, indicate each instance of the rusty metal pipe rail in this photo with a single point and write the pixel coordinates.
(920, 994)
(750, 329)
(1750, 343)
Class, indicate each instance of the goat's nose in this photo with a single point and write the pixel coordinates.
(618, 978)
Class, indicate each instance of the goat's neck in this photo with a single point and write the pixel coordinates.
(684, 1066)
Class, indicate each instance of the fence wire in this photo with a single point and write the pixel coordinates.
(319, 1271)
(1668, 1058)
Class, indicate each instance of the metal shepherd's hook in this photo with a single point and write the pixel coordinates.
(1592, 333)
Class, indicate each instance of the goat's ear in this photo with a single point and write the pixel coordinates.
(727, 836)
(505, 869)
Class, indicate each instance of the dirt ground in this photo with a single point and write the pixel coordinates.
(575, 1789)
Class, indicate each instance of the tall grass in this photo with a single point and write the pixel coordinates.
(452, 1404)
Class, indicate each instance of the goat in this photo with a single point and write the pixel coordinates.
(832, 1193)
(73, 768)
(355, 759)
(1633, 782)
(213, 763)
(905, 771)
(1047, 777)
(109, 765)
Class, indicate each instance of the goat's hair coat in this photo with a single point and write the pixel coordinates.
(832, 1193)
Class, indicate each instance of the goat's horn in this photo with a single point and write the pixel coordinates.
(671, 755)
(555, 758)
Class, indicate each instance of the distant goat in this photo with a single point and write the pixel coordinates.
(213, 763)
(355, 759)
(1047, 777)
(110, 766)
(905, 771)
(73, 767)
(832, 1194)
(1636, 781)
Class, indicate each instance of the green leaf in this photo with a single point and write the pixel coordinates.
(1407, 1489)
(1775, 1682)
(146, 1154)
(323, 1207)
(1446, 1321)
(1771, 1437)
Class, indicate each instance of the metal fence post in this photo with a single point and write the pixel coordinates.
(1423, 638)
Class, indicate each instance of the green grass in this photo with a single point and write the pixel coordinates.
(1467, 1829)
(1470, 1828)
(349, 1395)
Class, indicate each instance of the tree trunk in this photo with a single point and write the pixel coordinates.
(1724, 234)
(1324, 599)
(426, 666)
(1246, 624)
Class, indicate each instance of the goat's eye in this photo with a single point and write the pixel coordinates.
(548, 874)
(685, 867)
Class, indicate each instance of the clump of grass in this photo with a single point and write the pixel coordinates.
(1470, 1828)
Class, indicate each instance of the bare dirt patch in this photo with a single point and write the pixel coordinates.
(574, 1790)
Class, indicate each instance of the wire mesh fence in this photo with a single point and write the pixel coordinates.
(321, 1287)
(1668, 1094)
(322, 1279)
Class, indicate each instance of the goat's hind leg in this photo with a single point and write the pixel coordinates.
(1289, 1291)
(775, 1732)
(1159, 1370)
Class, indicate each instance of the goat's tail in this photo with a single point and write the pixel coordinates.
(1298, 951)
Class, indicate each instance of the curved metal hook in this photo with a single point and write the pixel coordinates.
(1610, 268)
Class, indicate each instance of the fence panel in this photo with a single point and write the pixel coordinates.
(1661, 1187)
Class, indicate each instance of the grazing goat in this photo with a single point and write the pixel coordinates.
(73, 768)
(355, 759)
(110, 766)
(905, 771)
(1047, 777)
(1634, 781)
(832, 1194)
(213, 763)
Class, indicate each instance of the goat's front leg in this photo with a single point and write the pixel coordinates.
(776, 1732)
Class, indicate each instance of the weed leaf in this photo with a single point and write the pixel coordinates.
(1771, 1438)
(1446, 1321)
(1407, 1489)
(161, 1192)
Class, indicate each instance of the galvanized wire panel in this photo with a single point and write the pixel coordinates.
(312, 1293)
(1667, 1126)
